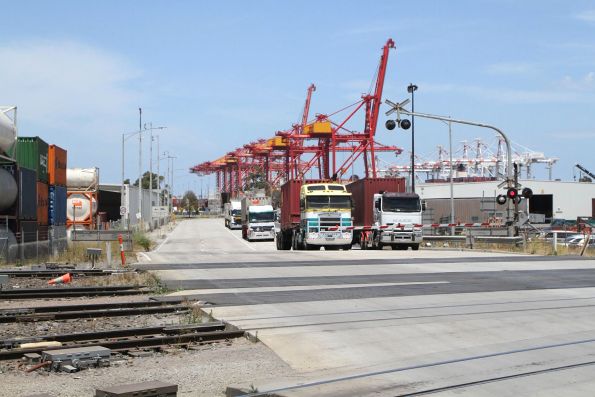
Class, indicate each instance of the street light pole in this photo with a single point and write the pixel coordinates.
(411, 89)
(399, 108)
(140, 167)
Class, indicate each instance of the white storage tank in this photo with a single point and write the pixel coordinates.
(81, 178)
(80, 207)
(8, 132)
(8, 188)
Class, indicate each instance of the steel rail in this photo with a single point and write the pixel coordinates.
(57, 290)
(56, 273)
(69, 315)
(148, 341)
(91, 306)
(114, 333)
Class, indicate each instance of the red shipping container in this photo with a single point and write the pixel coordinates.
(290, 203)
(42, 203)
(363, 191)
(57, 165)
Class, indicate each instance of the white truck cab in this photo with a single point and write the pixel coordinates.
(258, 219)
(399, 217)
(233, 214)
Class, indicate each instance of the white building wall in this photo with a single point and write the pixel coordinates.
(130, 201)
(570, 199)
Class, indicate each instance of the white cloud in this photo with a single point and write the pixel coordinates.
(73, 95)
(566, 91)
(507, 68)
(586, 83)
(587, 15)
(55, 83)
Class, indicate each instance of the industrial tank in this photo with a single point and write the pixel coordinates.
(80, 207)
(8, 133)
(81, 178)
(9, 189)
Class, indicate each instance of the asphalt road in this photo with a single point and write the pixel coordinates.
(389, 323)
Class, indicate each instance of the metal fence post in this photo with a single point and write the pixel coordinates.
(108, 254)
(555, 242)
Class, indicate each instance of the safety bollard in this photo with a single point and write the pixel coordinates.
(121, 241)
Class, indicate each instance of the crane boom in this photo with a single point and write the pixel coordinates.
(311, 89)
(586, 171)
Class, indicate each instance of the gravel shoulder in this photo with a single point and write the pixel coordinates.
(204, 372)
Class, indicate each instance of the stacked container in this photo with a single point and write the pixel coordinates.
(57, 164)
(32, 158)
(82, 195)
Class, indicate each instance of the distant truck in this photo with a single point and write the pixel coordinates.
(384, 215)
(258, 219)
(233, 214)
(314, 215)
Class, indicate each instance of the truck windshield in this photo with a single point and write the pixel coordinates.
(262, 216)
(236, 212)
(400, 204)
(315, 202)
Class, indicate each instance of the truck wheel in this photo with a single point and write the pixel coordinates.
(415, 247)
(331, 247)
(346, 247)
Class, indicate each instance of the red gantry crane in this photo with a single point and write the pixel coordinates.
(308, 145)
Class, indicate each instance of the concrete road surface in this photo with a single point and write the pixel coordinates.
(392, 323)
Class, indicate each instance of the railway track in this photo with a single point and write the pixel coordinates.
(61, 314)
(122, 340)
(70, 292)
(58, 272)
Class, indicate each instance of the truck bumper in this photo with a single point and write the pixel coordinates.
(268, 235)
(401, 237)
(329, 238)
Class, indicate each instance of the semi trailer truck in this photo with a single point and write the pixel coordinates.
(233, 214)
(258, 219)
(385, 215)
(314, 215)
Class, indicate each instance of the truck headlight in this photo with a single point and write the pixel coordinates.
(346, 234)
(312, 235)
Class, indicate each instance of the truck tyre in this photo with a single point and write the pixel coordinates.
(415, 247)
(346, 247)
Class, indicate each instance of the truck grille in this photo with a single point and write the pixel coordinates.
(325, 223)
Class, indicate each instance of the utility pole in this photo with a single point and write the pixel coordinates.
(158, 174)
(140, 167)
(151, 177)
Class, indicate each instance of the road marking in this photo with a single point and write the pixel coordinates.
(147, 257)
(296, 288)
(161, 244)
(242, 240)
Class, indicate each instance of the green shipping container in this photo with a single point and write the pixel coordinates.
(32, 153)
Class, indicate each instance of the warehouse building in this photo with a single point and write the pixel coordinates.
(475, 201)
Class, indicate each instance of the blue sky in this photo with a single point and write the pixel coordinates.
(221, 74)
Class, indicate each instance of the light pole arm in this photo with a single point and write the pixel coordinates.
(509, 176)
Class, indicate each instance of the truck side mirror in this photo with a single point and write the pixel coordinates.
(377, 205)
(424, 205)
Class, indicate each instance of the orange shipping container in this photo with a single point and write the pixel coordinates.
(42, 203)
(57, 165)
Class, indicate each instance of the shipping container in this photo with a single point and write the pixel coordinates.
(363, 191)
(27, 231)
(81, 207)
(57, 164)
(32, 153)
(57, 205)
(42, 203)
(290, 203)
(27, 194)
